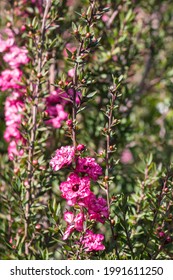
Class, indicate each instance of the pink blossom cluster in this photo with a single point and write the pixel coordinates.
(10, 80)
(92, 242)
(63, 157)
(77, 191)
(55, 106)
(13, 114)
(6, 44)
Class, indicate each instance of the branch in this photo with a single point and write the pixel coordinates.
(34, 127)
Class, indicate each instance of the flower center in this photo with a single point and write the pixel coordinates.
(85, 167)
(75, 188)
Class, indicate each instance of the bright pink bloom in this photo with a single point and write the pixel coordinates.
(55, 104)
(92, 242)
(13, 115)
(13, 110)
(10, 79)
(74, 223)
(16, 56)
(9, 42)
(63, 157)
(97, 208)
(75, 188)
(12, 132)
(57, 115)
(56, 97)
(89, 166)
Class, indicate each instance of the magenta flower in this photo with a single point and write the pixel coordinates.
(9, 42)
(92, 242)
(89, 166)
(56, 97)
(55, 104)
(63, 157)
(16, 56)
(75, 188)
(57, 115)
(13, 114)
(74, 223)
(97, 208)
(10, 79)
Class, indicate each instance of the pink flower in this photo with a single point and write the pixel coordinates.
(97, 208)
(13, 110)
(16, 56)
(74, 223)
(161, 234)
(9, 42)
(89, 166)
(55, 103)
(10, 79)
(13, 150)
(126, 156)
(70, 47)
(92, 242)
(70, 94)
(105, 18)
(75, 188)
(63, 157)
(55, 97)
(11, 132)
(57, 115)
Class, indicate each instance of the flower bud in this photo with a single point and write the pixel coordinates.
(16, 170)
(80, 147)
(38, 227)
(60, 83)
(88, 35)
(161, 234)
(39, 75)
(69, 123)
(35, 162)
(168, 240)
(26, 183)
(23, 28)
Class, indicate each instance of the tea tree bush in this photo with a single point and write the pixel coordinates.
(86, 130)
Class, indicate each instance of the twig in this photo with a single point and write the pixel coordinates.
(34, 128)
(155, 214)
(75, 82)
